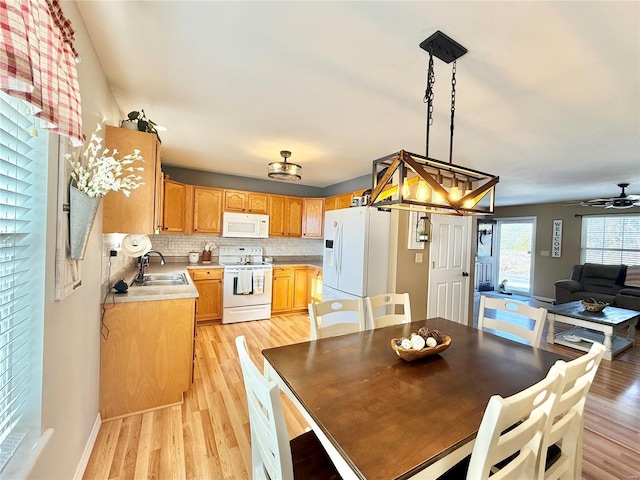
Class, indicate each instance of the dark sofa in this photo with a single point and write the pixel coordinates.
(604, 283)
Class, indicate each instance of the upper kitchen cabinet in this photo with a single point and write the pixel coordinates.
(285, 216)
(177, 207)
(140, 212)
(312, 217)
(247, 202)
(207, 210)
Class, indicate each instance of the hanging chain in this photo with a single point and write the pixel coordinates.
(428, 96)
(453, 108)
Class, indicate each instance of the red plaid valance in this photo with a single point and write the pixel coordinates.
(37, 63)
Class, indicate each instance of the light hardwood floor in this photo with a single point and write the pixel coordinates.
(208, 436)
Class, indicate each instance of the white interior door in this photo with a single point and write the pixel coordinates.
(448, 291)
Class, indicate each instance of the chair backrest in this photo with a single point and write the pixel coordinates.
(270, 448)
(388, 301)
(322, 325)
(512, 429)
(512, 317)
(565, 422)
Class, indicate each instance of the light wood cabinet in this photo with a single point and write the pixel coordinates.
(312, 217)
(141, 211)
(146, 360)
(247, 202)
(177, 209)
(285, 216)
(300, 288)
(209, 285)
(315, 285)
(207, 210)
(282, 290)
(344, 200)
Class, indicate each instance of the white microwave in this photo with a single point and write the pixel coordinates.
(245, 225)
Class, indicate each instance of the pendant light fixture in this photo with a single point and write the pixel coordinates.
(289, 172)
(409, 181)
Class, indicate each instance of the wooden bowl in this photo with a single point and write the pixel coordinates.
(592, 305)
(412, 354)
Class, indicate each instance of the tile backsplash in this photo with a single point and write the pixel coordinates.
(181, 245)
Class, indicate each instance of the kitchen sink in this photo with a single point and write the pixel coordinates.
(163, 279)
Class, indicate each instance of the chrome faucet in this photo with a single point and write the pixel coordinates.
(143, 262)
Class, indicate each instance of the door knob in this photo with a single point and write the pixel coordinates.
(465, 274)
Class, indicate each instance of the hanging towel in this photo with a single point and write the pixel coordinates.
(258, 281)
(633, 276)
(244, 282)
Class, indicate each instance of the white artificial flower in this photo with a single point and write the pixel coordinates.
(95, 174)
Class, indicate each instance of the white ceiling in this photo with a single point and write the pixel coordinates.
(548, 96)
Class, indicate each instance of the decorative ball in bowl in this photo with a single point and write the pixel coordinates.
(592, 305)
(422, 344)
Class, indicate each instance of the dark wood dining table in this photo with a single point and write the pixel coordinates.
(381, 417)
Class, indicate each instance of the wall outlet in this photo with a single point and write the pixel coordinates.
(419, 257)
(544, 253)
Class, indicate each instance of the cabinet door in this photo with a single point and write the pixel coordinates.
(294, 216)
(209, 303)
(300, 288)
(312, 218)
(174, 210)
(140, 211)
(330, 203)
(277, 215)
(235, 201)
(207, 214)
(344, 201)
(315, 285)
(258, 202)
(282, 289)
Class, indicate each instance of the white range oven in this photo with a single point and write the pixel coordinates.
(246, 284)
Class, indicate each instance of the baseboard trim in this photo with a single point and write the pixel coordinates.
(88, 448)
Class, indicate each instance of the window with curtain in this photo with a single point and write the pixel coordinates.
(23, 172)
(611, 239)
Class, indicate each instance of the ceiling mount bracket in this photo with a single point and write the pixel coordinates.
(443, 47)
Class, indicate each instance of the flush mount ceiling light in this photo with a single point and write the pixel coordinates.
(409, 181)
(290, 172)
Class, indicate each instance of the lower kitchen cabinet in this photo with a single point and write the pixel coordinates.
(282, 290)
(209, 285)
(146, 359)
(295, 287)
(315, 285)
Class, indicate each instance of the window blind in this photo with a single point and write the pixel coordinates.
(22, 223)
(611, 239)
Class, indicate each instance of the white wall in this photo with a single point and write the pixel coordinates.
(72, 327)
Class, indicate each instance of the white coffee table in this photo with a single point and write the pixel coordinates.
(592, 327)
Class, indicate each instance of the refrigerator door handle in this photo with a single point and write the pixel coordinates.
(339, 249)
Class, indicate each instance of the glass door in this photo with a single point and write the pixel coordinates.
(515, 244)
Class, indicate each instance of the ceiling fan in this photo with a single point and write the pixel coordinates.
(623, 200)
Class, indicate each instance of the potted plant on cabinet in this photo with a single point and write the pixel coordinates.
(138, 121)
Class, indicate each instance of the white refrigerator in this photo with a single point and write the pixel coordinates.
(356, 255)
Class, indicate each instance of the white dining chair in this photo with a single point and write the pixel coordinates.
(512, 317)
(388, 301)
(332, 318)
(510, 434)
(273, 456)
(562, 440)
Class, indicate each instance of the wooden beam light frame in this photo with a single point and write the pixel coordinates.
(394, 175)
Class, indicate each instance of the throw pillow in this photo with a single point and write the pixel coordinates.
(633, 276)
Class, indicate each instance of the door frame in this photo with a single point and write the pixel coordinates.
(496, 277)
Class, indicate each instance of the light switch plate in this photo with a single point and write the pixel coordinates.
(419, 257)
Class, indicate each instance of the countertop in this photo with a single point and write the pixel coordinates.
(137, 293)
